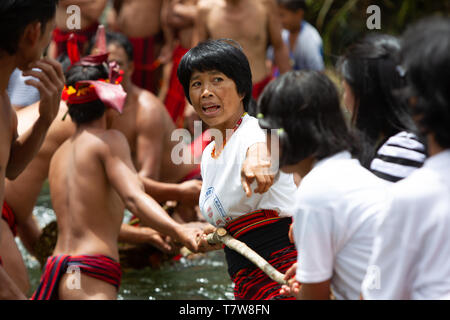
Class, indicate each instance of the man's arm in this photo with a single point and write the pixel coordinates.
(50, 82)
(141, 235)
(281, 51)
(314, 291)
(8, 290)
(150, 136)
(187, 192)
(125, 180)
(169, 36)
(200, 32)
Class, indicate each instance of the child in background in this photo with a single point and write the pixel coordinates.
(302, 39)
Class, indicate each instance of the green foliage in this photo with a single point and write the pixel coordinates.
(341, 22)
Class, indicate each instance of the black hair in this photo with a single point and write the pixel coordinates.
(65, 62)
(305, 105)
(370, 67)
(426, 61)
(223, 55)
(86, 112)
(116, 38)
(292, 5)
(122, 41)
(15, 15)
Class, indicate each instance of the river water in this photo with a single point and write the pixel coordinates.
(203, 278)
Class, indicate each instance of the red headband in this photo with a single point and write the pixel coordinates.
(109, 91)
(112, 95)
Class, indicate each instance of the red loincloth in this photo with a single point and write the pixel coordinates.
(145, 63)
(259, 87)
(96, 266)
(175, 100)
(9, 217)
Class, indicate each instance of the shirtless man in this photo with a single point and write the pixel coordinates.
(254, 24)
(22, 49)
(146, 123)
(92, 179)
(90, 12)
(140, 21)
(148, 128)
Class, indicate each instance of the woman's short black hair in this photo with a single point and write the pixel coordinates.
(305, 106)
(426, 61)
(15, 15)
(86, 112)
(223, 55)
(370, 67)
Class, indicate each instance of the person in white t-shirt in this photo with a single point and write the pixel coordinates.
(303, 40)
(338, 200)
(411, 253)
(217, 81)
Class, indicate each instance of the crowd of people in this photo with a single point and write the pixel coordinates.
(352, 202)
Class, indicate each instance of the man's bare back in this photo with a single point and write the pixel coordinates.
(89, 212)
(92, 179)
(88, 209)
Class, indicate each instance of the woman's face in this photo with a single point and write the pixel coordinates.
(215, 98)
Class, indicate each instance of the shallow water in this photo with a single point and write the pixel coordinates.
(202, 278)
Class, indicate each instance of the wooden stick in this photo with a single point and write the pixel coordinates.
(221, 236)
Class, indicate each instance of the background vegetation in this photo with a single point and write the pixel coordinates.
(340, 22)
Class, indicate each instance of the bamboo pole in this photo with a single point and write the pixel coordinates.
(221, 236)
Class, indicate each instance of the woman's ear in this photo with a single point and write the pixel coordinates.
(32, 34)
(241, 96)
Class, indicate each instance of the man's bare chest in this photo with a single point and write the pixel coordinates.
(249, 26)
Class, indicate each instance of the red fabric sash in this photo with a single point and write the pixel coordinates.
(250, 221)
(82, 37)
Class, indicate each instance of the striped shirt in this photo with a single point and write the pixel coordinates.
(398, 157)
